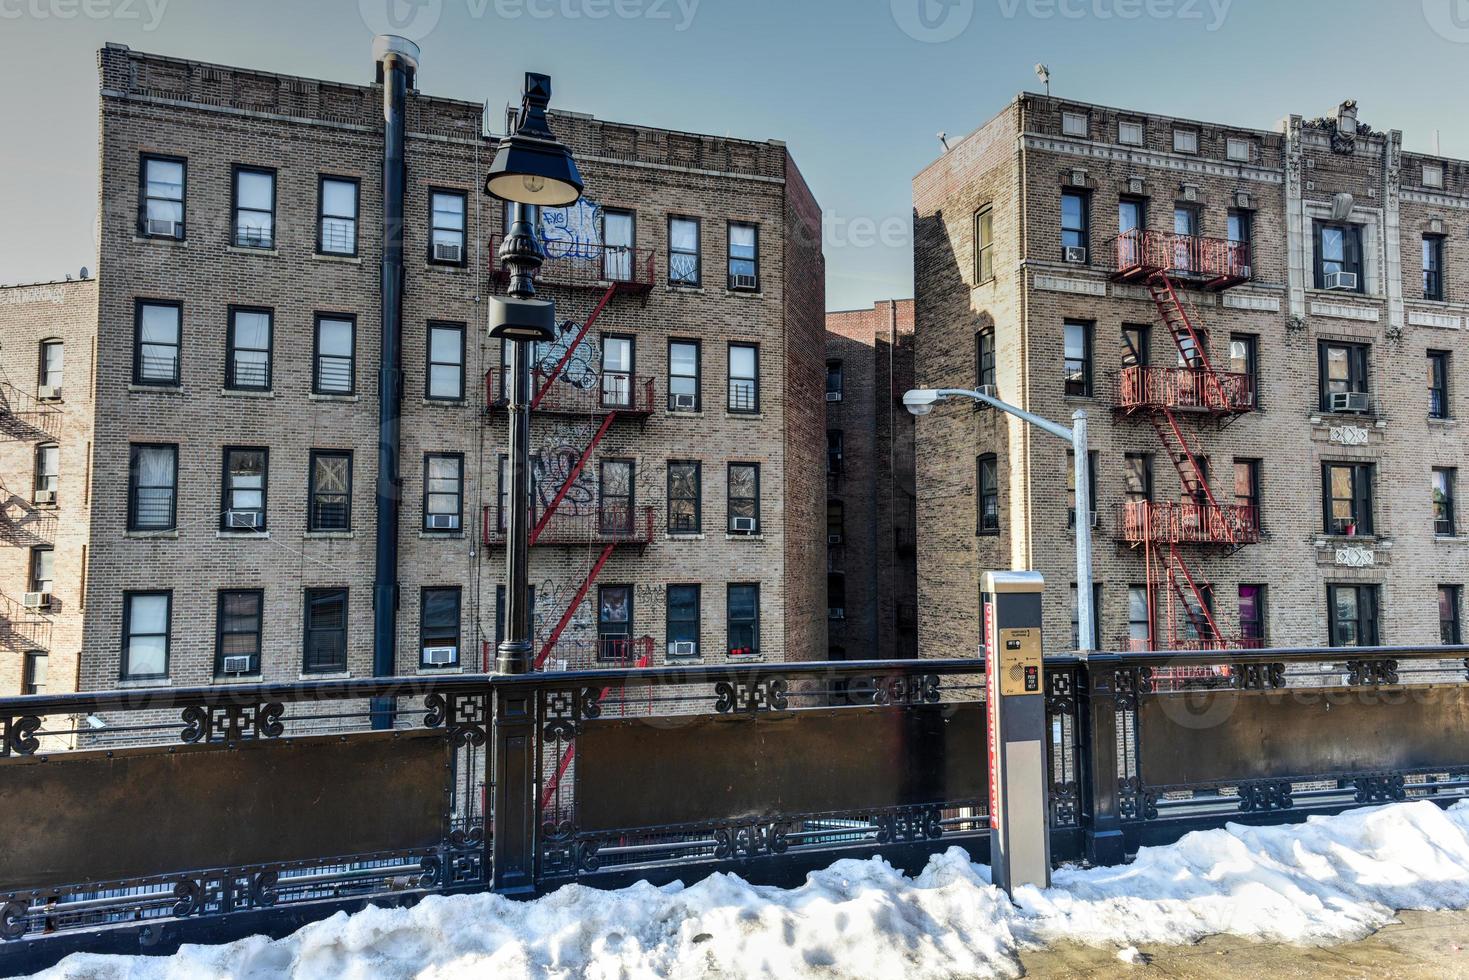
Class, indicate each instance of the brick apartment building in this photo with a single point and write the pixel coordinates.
(214, 518)
(1266, 331)
(871, 566)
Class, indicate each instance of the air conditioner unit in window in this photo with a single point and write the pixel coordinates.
(444, 252)
(36, 600)
(742, 525)
(991, 390)
(1349, 401)
(744, 282)
(237, 665)
(1075, 254)
(1342, 281)
(252, 519)
(833, 396)
(684, 648)
(833, 539)
(836, 612)
(44, 497)
(443, 522)
(165, 227)
(685, 403)
(49, 393)
(440, 656)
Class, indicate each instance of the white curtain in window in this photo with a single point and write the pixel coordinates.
(155, 467)
(683, 235)
(148, 634)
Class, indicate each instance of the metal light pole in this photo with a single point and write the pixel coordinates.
(920, 401)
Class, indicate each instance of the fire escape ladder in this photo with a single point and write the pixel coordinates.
(1190, 474)
(1185, 337)
(571, 478)
(575, 343)
(571, 607)
(1200, 607)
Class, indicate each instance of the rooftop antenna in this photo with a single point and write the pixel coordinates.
(1044, 74)
(1435, 144)
(944, 139)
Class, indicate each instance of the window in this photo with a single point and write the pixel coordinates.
(336, 232)
(48, 468)
(683, 376)
(835, 522)
(237, 632)
(1078, 353)
(1353, 612)
(1096, 616)
(1243, 359)
(1443, 501)
(984, 244)
(836, 595)
(1433, 267)
(1075, 124)
(1433, 175)
(161, 197)
(618, 238)
(1071, 486)
(834, 381)
(683, 251)
(1185, 223)
(1237, 149)
(744, 256)
(446, 227)
(53, 359)
(1185, 141)
(1347, 493)
(1252, 616)
(742, 616)
(618, 358)
(1137, 477)
(145, 634)
(1074, 220)
(1343, 370)
(1135, 345)
(834, 453)
(43, 569)
(445, 372)
(1247, 490)
(438, 626)
(1130, 225)
(1338, 252)
(336, 367)
(614, 623)
(325, 649)
(443, 491)
(330, 507)
(152, 477)
(743, 498)
(247, 362)
(988, 478)
(243, 506)
(1241, 232)
(156, 343)
(984, 358)
(684, 485)
(34, 679)
(254, 208)
(1198, 619)
(683, 621)
(744, 378)
(1130, 133)
(1139, 619)
(1449, 631)
(1438, 384)
(615, 496)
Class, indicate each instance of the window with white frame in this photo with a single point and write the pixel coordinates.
(1075, 124)
(1185, 141)
(1130, 133)
(1237, 149)
(1433, 175)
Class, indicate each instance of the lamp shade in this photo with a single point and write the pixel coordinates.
(513, 318)
(527, 170)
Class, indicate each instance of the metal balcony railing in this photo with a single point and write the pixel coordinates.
(1186, 388)
(585, 265)
(601, 392)
(1188, 644)
(1220, 263)
(1187, 522)
(24, 418)
(609, 524)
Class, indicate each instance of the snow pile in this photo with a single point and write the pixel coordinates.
(1329, 879)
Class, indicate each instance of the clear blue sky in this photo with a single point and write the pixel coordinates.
(857, 97)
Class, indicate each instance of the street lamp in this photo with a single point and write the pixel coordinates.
(921, 401)
(531, 169)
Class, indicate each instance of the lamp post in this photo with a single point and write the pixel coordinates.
(531, 169)
(920, 401)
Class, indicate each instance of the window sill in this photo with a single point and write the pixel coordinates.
(439, 671)
(752, 416)
(452, 268)
(243, 535)
(1341, 418)
(54, 505)
(692, 536)
(160, 240)
(758, 536)
(343, 259)
(136, 682)
(244, 393)
(692, 290)
(319, 397)
(237, 679)
(1451, 538)
(1332, 540)
(341, 675)
(136, 389)
(264, 253)
(992, 534)
(744, 658)
(445, 402)
(746, 293)
(440, 535)
(170, 534)
(683, 413)
(329, 535)
(1343, 294)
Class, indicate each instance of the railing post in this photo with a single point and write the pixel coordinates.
(513, 822)
(1098, 725)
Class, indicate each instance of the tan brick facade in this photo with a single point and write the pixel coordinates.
(1287, 182)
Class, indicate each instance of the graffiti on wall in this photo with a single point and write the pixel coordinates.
(580, 369)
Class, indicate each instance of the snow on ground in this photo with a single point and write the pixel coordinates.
(1330, 879)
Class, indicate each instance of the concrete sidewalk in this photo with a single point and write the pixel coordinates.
(1422, 944)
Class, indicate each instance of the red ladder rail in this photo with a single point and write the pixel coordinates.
(576, 601)
(1180, 326)
(1176, 559)
(575, 343)
(1191, 475)
(571, 477)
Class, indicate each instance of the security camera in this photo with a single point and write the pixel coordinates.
(920, 401)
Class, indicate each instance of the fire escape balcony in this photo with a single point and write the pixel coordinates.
(1189, 389)
(1207, 263)
(1187, 522)
(24, 418)
(607, 525)
(596, 394)
(583, 265)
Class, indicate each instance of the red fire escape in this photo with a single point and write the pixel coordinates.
(1166, 396)
(606, 272)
